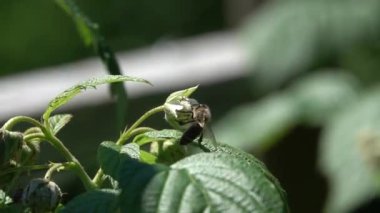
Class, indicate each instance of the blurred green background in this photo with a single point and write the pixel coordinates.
(38, 33)
(309, 107)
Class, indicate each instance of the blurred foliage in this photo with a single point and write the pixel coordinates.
(314, 64)
(286, 38)
(311, 100)
(350, 153)
(37, 33)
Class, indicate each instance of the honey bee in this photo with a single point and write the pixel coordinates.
(200, 118)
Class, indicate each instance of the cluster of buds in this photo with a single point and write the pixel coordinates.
(40, 195)
(15, 152)
(13, 149)
(10, 144)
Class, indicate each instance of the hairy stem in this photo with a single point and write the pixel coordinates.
(34, 136)
(127, 134)
(57, 144)
(18, 119)
(133, 130)
(141, 130)
(54, 167)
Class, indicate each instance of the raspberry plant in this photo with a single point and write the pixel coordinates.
(147, 169)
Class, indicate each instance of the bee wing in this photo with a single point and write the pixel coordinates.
(209, 140)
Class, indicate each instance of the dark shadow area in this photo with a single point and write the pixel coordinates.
(371, 206)
(293, 162)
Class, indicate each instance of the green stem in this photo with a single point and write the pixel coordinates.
(133, 130)
(127, 134)
(56, 143)
(99, 177)
(34, 136)
(141, 130)
(54, 167)
(23, 168)
(13, 121)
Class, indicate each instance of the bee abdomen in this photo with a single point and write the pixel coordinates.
(190, 134)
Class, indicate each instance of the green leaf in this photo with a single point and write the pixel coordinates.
(148, 158)
(110, 155)
(70, 93)
(321, 95)
(286, 38)
(259, 125)
(211, 182)
(207, 144)
(131, 150)
(57, 122)
(349, 153)
(181, 93)
(109, 159)
(104, 200)
(133, 178)
(160, 135)
(251, 160)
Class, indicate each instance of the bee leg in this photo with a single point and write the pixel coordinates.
(200, 139)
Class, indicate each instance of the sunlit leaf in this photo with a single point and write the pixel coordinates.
(57, 122)
(70, 93)
(215, 182)
(131, 150)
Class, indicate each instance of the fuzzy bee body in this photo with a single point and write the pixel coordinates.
(201, 115)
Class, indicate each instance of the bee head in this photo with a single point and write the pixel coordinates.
(201, 114)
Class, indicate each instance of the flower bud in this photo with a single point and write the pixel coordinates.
(41, 195)
(179, 112)
(10, 144)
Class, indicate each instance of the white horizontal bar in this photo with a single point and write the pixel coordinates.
(168, 66)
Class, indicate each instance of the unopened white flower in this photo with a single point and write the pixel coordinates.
(179, 112)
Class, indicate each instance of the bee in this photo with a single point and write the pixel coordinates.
(200, 118)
